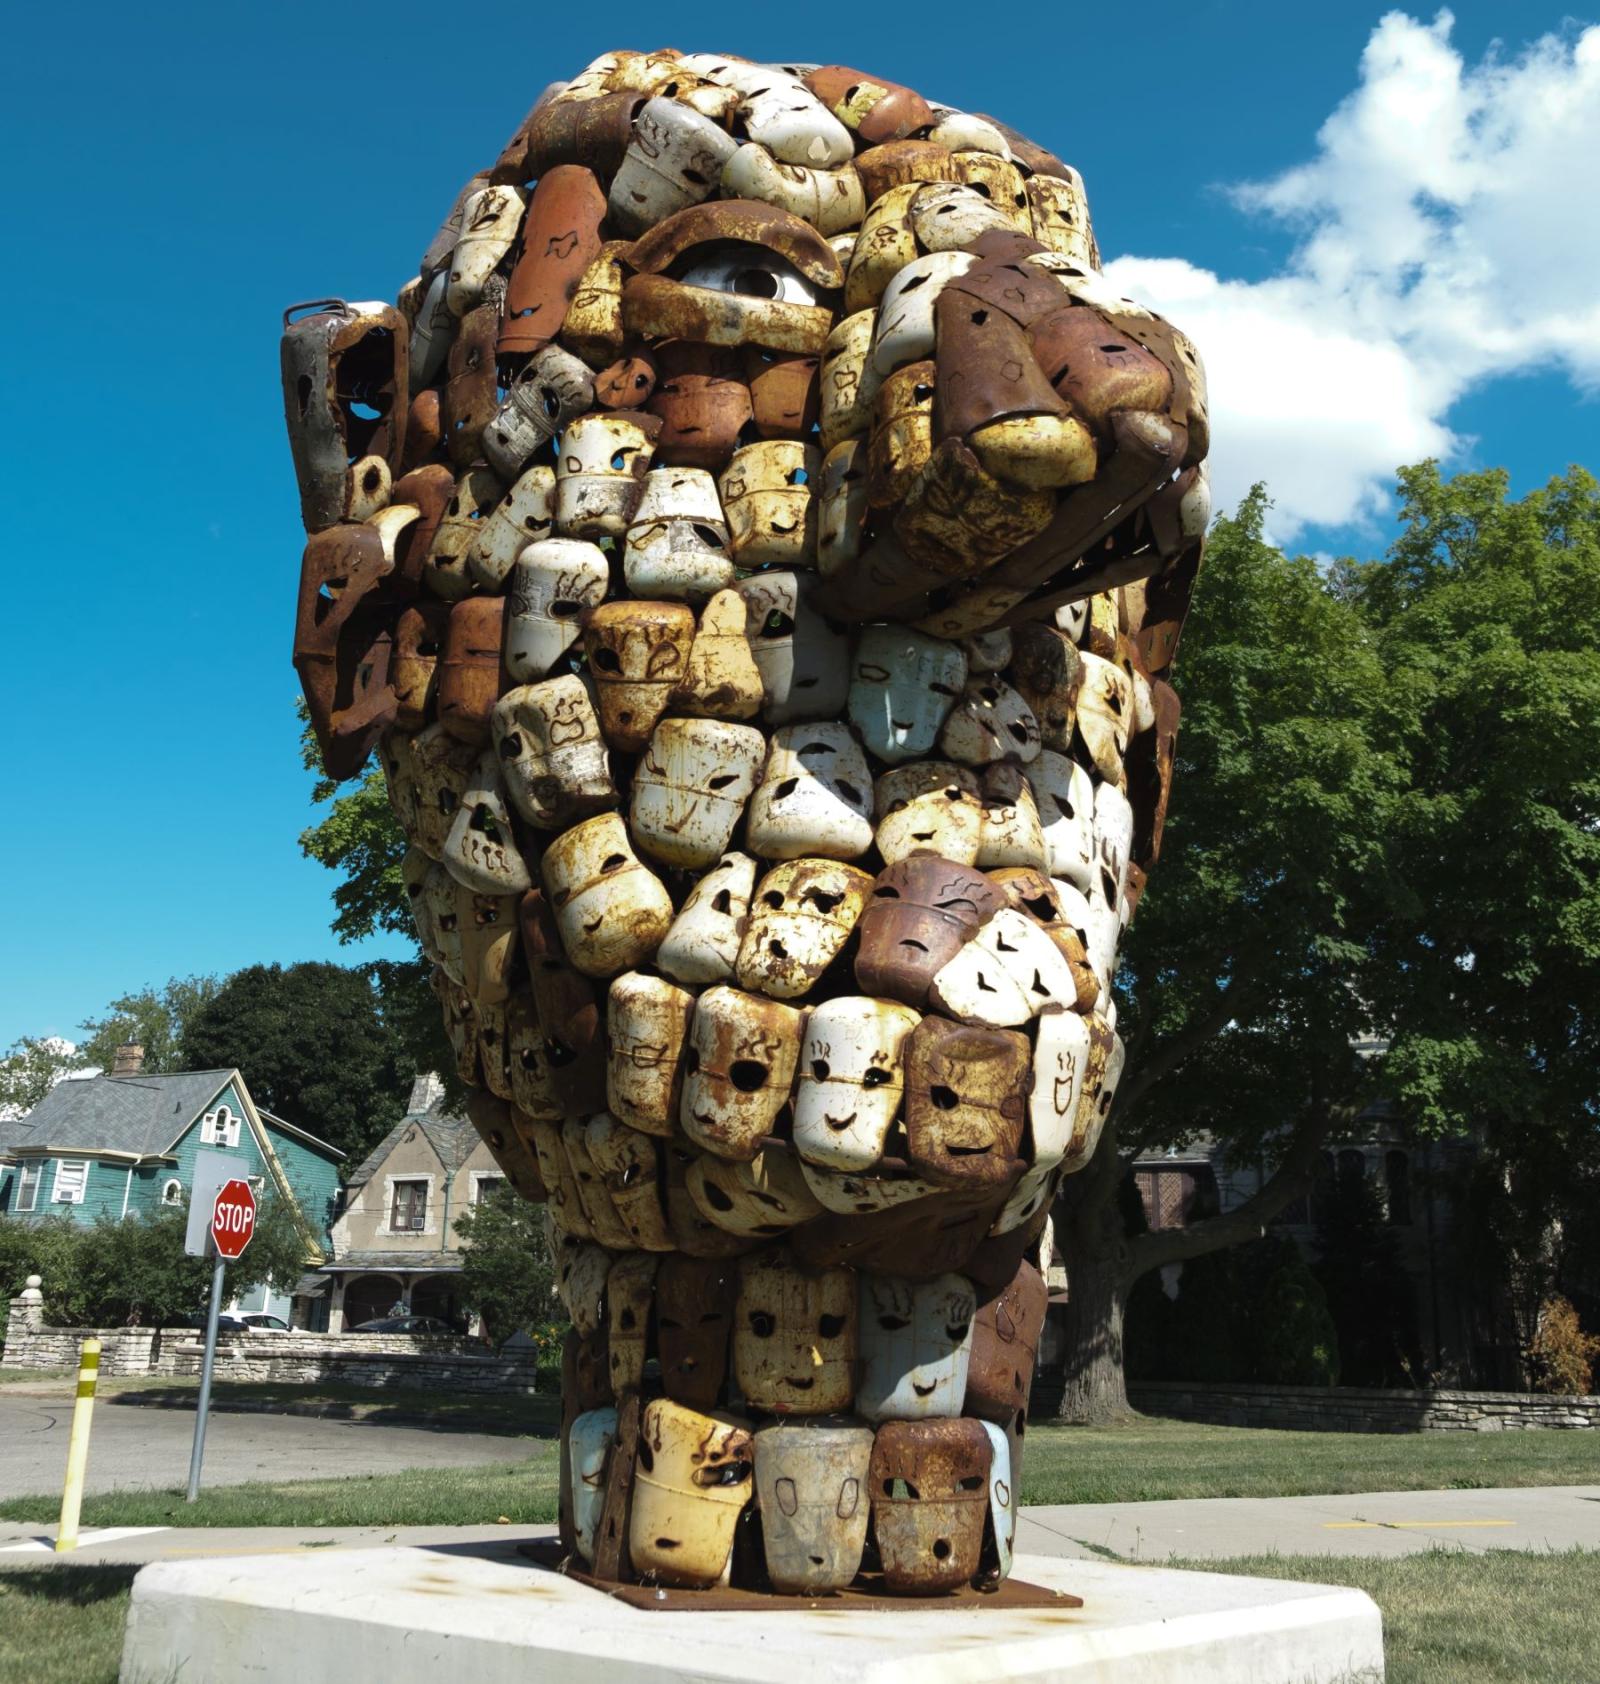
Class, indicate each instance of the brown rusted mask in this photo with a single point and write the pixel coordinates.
(630, 1291)
(560, 238)
(343, 640)
(877, 110)
(930, 1496)
(703, 401)
(569, 1013)
(638, 653)
(795, 1338)
(1005, 1342)
(491, 1117)
(694, 1234)
(917, 1239)
(694, 1320)
(965, 1102)
(418, 640)
(1149, 770)
(920, 913)
(470, 397)
(469, 667)
(339, 360)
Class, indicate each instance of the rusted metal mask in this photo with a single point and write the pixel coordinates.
(759, 1200)
(694, 1321)
(695, 1475)
(814, 795)
(601, 472)
(965, 1102)
(738, 1070)
(469, 667)
(418, 638)
(916, 1346)
(611, 909)
(647, 1023)
(551, 390)
(795, 1336)
(811, 1487)
(342, 646)
(441, 767)
(589, 1442)
(769, 494)
(560, 239)
(628, 1164)
(801, 916)
(678, 542)
(703, 403)
(929, 806)
(340, 361)
(570, 1016)
(723, 680)
(630, 1291)
(1005, 1342)
(919, 914)
(930, 1498)
(638, 653)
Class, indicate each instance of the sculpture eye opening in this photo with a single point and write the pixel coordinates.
(750, 271)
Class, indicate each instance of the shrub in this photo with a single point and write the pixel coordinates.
(1561, 1355)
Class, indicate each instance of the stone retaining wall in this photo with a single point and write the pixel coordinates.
(1354, 1409)
(358, 1359)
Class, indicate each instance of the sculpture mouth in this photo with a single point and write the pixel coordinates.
(924, 1390)
(839, 1124)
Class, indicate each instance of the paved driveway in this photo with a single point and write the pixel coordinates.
(133, 1446)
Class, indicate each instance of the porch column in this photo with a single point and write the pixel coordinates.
(336, 1312)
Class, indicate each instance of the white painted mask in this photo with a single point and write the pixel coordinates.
(841, 506)
(811, 1485)
(852, 1194)
(902, 688)
(916, 1341)
(611, 910)
(589, 1443)
(446, 569)
(830, 200)
(1105, 714)
(947, 215)
(553, 582)
(703, 943)
(1006, 975)
(480, 851)
(442, 768)
(804, 662)
(904, 331)
(522, 517)
(1113, 843)
(675, 160)
(600, 475)
(761, 1199)
(581, 1272)
(931, 806)
(678, 543)
(801, 915)
(690, 788)
(551, 389)
(795, 126)
(1011, 834)
(695, 1475)
(630, 1291)
(647, 1023)
(1065, 796)
(814, 797)
(552, 756)
(1002, 1500)
(489, 223)
(1060, 1060)
(847, 389)
(851, 1081)
(990, 723)
(988, 651)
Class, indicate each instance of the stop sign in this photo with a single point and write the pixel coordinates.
(233, 1218)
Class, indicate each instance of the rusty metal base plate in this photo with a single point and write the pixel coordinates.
(866, 1593)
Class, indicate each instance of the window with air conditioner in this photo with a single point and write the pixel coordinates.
(408, 1211)
(220, 1127)
(72, 1180)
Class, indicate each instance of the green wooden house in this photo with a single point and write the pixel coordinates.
(123, 1144)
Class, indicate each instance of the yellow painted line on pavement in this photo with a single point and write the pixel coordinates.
(1402, 1525)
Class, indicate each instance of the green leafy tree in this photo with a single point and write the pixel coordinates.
(359, 838)
(506, 1273)
(314, 1046)
(30, 1068)
(1364, 1281)
(1244, 975)
(153, 1017)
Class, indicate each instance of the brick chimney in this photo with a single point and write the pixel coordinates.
(128, 1060)
(426, 1092)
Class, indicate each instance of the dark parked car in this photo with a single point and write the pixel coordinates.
(404, 1324)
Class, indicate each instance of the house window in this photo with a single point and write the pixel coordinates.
(486, 1186)
(410, 1208)
(172, 1193)
(72, 1178)
(219, 1127)
(1352, 1167)
(1397, 1175)
(28, 1178)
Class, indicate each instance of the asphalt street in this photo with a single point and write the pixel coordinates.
(132, 1446)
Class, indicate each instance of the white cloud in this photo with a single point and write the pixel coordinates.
(1449, 232)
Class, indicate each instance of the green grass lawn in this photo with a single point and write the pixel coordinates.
(1148, 1458)
(1505, 1617)
(62, 1625)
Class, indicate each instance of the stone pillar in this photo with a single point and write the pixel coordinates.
(26, 1322)
(336, 1306)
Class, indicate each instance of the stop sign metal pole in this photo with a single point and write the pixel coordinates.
(197, 1454)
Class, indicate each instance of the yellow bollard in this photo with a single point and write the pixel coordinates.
(78, 1446)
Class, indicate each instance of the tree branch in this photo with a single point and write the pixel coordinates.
(1171, 1053)
(1249, 1222)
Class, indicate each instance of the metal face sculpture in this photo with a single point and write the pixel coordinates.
(756, 544)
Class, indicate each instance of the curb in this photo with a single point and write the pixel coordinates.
(354, 1413)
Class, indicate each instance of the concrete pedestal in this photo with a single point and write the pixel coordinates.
(482, 1614)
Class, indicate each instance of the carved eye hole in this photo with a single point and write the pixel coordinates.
(774, 899)
(749, 270)
(747, 1075)
(875, 1078)
(893, 1324)
(762, 1324)
(830, 1327)
(777, 624)
(957, 1333)
(819, 1069)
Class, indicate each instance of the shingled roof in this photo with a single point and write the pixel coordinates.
(141, 1114)
(453, 1140)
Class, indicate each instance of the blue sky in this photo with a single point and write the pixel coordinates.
(179, 173)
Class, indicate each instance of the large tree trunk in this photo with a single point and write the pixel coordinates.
(1094, 1250)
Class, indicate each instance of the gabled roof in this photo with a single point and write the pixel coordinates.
(453, 1140)
(141, 1115)
(295, 1132)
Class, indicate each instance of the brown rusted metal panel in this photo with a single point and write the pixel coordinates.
(917, 1239)
(694, 1322)
(569, 1012)
(1005, 1343)
(1149, 769)
(783, 392)
(900, 163)
(878, 111)
(965, 1102)
(930, 1498)
(628, 383)
(560, 238)
(745, 220)
(918, 916)
(703, 401)
(470, 394)
(469, 667)
(592, 132)
(986, 368)
(491, 1117)
(611, 1557)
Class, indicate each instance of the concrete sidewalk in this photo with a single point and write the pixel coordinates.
(1548, 1517)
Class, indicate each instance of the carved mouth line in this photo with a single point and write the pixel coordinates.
(924, 1391)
